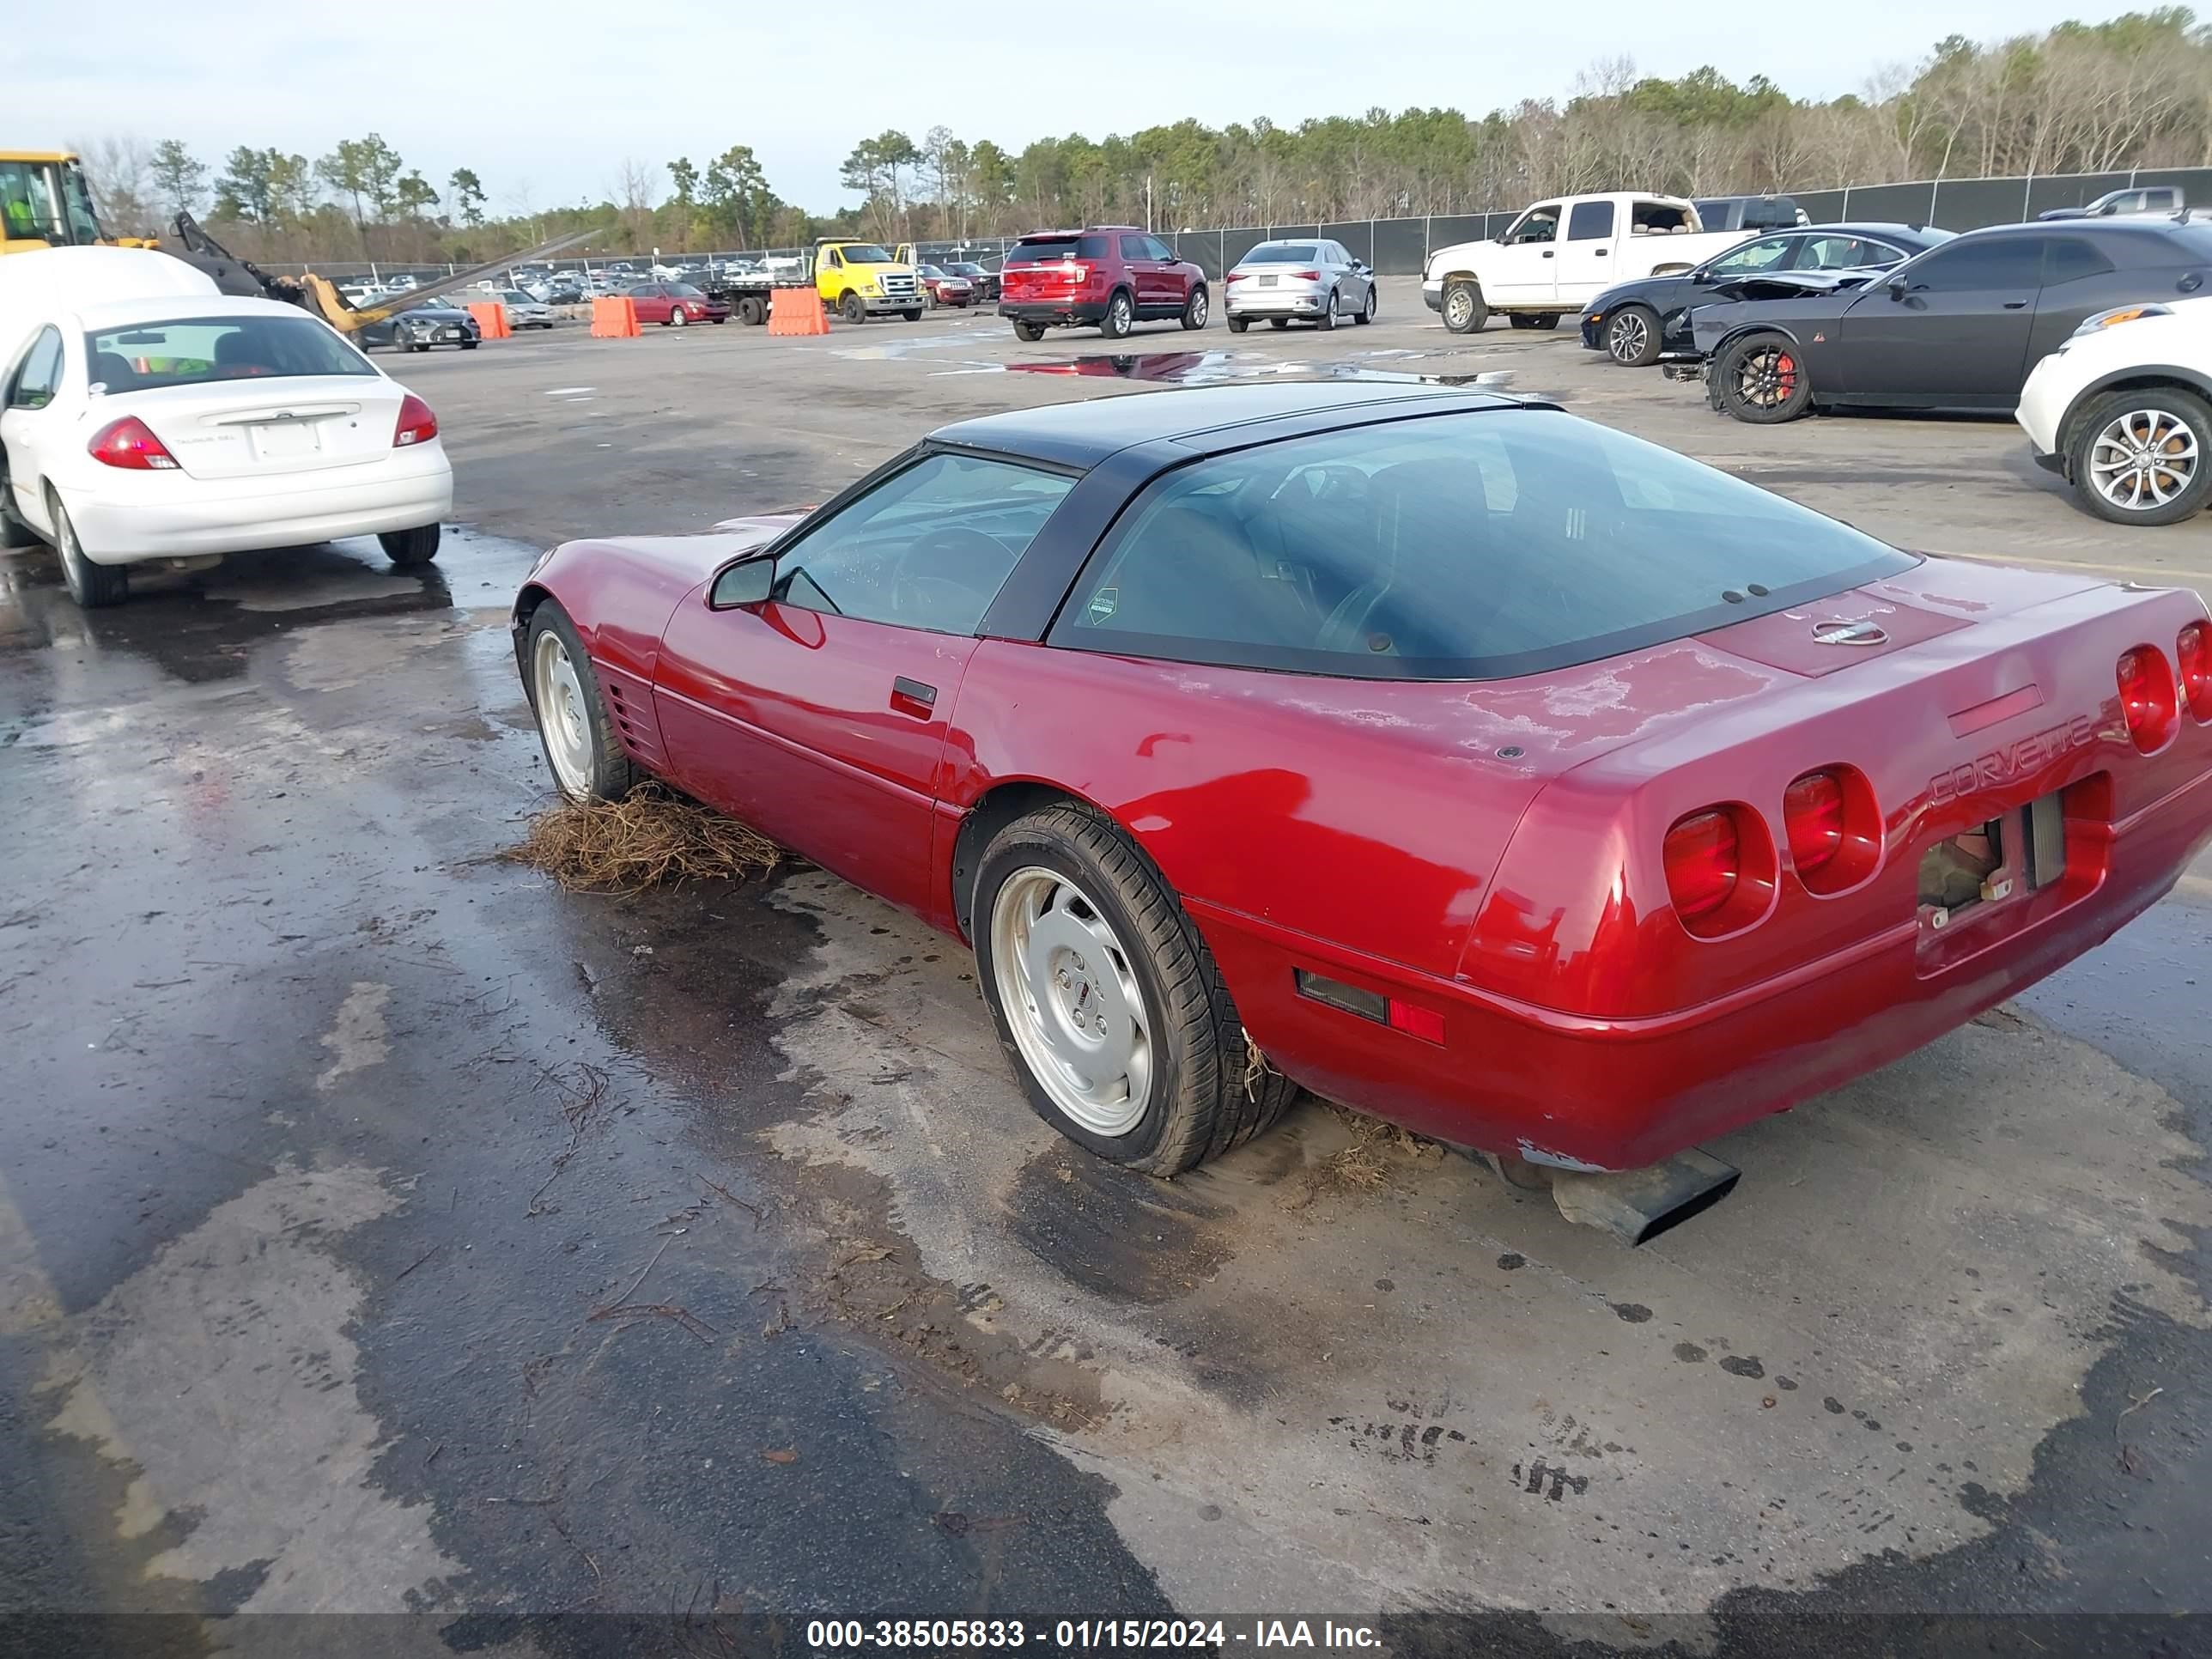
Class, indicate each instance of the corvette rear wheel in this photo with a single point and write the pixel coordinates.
(1107, 1001)
(580, 745)
(1760, 380)
(2140, 456)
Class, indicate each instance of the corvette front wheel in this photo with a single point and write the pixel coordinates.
(1107, 1001)
(580, 745)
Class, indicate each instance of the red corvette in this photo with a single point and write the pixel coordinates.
(1487, 769)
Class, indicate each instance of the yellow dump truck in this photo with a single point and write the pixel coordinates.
(858, 280)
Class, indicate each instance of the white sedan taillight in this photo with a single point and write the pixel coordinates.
(417, 425)
(129, 444)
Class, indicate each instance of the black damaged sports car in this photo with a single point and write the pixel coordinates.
(1955, 328)
(1637, 323)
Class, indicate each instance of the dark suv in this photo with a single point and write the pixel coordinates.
(1110, 276)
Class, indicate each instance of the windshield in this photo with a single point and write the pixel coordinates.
(685, 291)
(1479, 545)
(1282, 253)
(192, 351)
(865, 254)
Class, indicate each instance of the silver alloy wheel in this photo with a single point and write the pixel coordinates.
(1197, 308)
(679, 316)
(1627, 337)
(564, 715)
(65, 543)
(1370, 311)
(1121, 313)
(2143, 459)
(1459, 308)
(1071, 1000)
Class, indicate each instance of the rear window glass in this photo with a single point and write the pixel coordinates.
(1469, 546)
(1051, 250)
(194, 349)
(1282, 253)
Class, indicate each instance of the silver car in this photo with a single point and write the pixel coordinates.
(525, 309)
(1318, 281)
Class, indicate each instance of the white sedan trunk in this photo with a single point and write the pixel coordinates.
(241, 429)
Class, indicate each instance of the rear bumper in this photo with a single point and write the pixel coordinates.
(398, 494)
(1076, 312)
(1616, 1094)
(1276, 302)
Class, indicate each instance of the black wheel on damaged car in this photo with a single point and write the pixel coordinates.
(411, 547)
(1029, 331)
(581, 748)
(1107, 1001)
(1632, 336)
(1120, 314)
(92, 585)
(1761, 380)
(1194, 308)
(2141, 456)
(1465, 310)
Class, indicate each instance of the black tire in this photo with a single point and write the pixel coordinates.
(1238, 324)
(1327, 319)
(1545, 321)
(1120, 316)
(911, 316)
(92, 585)
(1520, 319)
(1199, 1106)
(1758, 379)
(411, 547)
(610, 774)
(1632, 336)
(2107, 426)
(1031, 332)
(752, 313)
(853, 307)
(1365, 314)
(1465, 310)
(1279, 322)
(470, 345)
(1197, 308)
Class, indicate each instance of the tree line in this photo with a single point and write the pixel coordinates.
(2133, 91)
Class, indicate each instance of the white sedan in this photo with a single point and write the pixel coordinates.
(182, 429)
(2123, 410)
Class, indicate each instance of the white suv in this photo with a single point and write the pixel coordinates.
(2124, 411)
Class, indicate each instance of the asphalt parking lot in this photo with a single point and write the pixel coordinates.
(384, 1231)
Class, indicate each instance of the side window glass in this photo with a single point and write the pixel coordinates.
(1538, 224)
(2069, 258)
(928, 548)
(2008, 261)
(1767, 253)
(836, 260)
(1132, 247)
(1589, 221)
(1155, 249)
(40, 375)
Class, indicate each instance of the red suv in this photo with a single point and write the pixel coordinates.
(1113, 275)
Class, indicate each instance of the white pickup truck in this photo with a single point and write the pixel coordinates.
(1561, 254)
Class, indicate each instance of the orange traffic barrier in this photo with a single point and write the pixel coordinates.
(796, 310)
(491, 320)
(614, 317)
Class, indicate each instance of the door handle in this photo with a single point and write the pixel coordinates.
(1547, 253)
(913, 697)
(2015, 305)
(1599, 252)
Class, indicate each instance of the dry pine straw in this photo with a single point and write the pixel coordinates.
(652, 837)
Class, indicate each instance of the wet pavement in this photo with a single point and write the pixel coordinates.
(385, 1232)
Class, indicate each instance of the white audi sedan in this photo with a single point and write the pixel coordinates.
(178, 428)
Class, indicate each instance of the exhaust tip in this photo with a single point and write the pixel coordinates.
(1636, 1206)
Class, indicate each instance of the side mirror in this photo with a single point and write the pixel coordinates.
(752, 581)
(1897, 287)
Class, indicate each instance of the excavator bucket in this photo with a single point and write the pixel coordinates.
(318, 293)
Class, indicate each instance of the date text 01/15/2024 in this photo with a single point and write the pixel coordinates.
(1215, 1635)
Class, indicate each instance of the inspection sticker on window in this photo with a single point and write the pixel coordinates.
(1104, 603)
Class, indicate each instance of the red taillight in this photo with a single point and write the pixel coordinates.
(1812, 818)
(127, 443)
(1305, 276)
(1704, 858)
(1077, 273)
(2147, 696)
(2194, 652)
(1233, 277)
(417, 425)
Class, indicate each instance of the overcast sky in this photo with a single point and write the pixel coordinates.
(545, 101)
